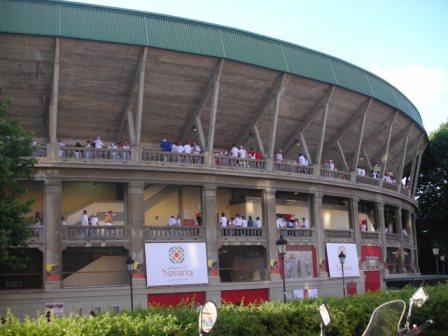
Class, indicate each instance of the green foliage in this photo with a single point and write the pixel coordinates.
(432, 213)
(349, 317)
(15, 165)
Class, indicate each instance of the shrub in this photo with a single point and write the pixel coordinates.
(349, 317)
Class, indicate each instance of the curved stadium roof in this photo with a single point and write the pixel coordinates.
(75, 20)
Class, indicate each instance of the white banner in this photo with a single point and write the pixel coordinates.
(170, 264)
(351, 260)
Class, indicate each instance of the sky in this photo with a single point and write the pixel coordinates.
(403, 41)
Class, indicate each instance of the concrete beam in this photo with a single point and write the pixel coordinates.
(323, 125)
(317, 108)
(362, 121)
(403, 152)
(274, 121)
(414, 161)
(369, 163)
(259, 142)
(141, 88)
(187, 128)
(53, 108)
(341, 153)
(386, 155)
(267, 100)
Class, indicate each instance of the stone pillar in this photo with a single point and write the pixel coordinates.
(318, 224)
(52, 225)
(136, 221)
(414, 243)
(209, 221)
(271, 231)
(399, 227)
(354, 223)
(379, 213)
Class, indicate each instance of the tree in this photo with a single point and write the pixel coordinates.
(15, 166)
(432, 194)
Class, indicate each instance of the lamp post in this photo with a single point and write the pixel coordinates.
(342, 261)
(130, 268)
(435, 251)
(281, 248)
(442, 259)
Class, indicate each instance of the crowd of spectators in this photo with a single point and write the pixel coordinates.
(292, 223)
(239, 221)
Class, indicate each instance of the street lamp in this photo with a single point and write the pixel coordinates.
(435, 251)
(442, 259)
(130, 267)
(342, 261)
(281, 248)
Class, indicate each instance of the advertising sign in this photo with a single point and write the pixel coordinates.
(351, 267)
(169, 264)
(56, 309)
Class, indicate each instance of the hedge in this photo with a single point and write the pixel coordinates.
(349, 317)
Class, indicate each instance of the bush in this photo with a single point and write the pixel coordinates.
(349, 317)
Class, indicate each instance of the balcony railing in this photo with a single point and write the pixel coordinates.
(238, 163)
(407, 240)
(297, 233)
(40, 151)
(392, 237)
(173, 233)
(149, 155)
(335, 174)
(390, 186)
(405, 191)
(367, 180)
(93, 154)
(338, 234)
(295, 168)
(228, 232)
(367, 235)
(97, 233)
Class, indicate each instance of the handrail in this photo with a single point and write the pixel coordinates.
(390, 186)
(367, 180)
(332, 233)
(226, 232)
(335, 174)
(96, 233)
(297, 233)
(173, 232)
(93, 154)
(370, 235)
(392, 237)
(292, 167)
(239, 163)
(149, 155)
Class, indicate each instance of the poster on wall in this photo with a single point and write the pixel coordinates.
(170, 264)
(300, 294)
(351, 267)
(298, 264)
(56, 309)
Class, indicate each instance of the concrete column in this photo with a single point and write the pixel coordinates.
(136, 221)
(414, 243)
(209, 221)
(270, 229)
(52, 225)
(354, 223)
(399, 226)
(379, 213)
(318, 224)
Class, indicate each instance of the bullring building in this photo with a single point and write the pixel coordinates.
(263, 138)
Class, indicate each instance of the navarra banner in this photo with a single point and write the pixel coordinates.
(169, 264)
(351, 261)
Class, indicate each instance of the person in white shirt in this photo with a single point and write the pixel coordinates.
(358, 171)
(280, 222)
(234, 151)
(94, 224)
(178, 221)
(331, 165)
(363, 226)
(113, 153)
(306, 223)
(172, 221)
(61, 144)
(242, 153)
(258, 222)
(244, 222)
(223, 220)
(85, 223)
(187, 148)
(279, 156)
(404, 231)
(302, 160)
(98, 143)
(363, 172)
(238, 221)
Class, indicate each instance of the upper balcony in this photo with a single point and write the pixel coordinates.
(219, 163)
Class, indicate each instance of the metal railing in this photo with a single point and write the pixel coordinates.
(226, 232)
(297, 233)
(338, 234)
(368, 180)
(392, 237)
(368, 235)
(149, 155)
(335, 174)
(175, 232)
(295, 168)
(37, 234)
(238, 163)
(390, 186)
(93, 154)
(96, 233)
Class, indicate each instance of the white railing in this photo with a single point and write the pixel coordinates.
(392, 237)
(93, 154)
(177, 232)
(335, 174)
(367, 180)
(149, 155)
(338, 234)
(37, 234)
(238, 163)
(95, 233)
(367, 235)
(297, 233)
(228, 232)
(390, 186)
(291, 167)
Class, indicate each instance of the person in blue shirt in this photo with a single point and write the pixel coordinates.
(165, 146)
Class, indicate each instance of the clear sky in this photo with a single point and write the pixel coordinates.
(403, 41)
